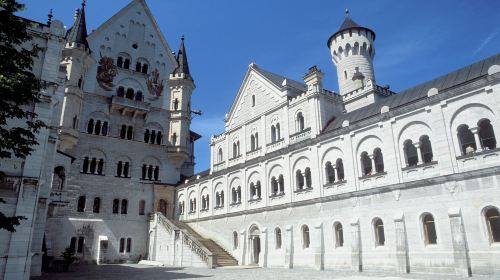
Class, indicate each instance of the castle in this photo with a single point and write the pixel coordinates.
(363, 179)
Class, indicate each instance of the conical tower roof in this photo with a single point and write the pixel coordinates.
(182, 60)
(349, 24)
(78, 32)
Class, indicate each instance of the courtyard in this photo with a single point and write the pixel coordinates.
(135, 271)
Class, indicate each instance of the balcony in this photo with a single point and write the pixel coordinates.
(301, 135)
(253, 153)
(275, 145)
(219, 166)
(129, 106)
(235, 160)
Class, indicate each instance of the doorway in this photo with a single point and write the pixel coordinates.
(254, 244)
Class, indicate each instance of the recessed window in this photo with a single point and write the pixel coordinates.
(378, 227)
(135, 46)
(493, 222)
(253, 100)
(339, 235)
(305, 237)
(429, 229)
(277, 233)
(235, 240)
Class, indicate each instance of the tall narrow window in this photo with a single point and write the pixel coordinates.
(142, 206)
(116, 205)
(153, 136)
(90, 126)
(93, 165)
(221, 198)
(138, 67)
(157, 173)
(274, 186)
(277, 234)
(330, 172)
(339, 235)
(378, 227)
(426, 148)
(138, 96)
(305, 237)
(379, 160)
(125, 170)
(123, 131)
(146, 136)
(85, 168)
(176, 104)
(119, 169)
(97, 205)
(104, 129)
(278, 133)
(122, 245)
(97, 129)
(340, 169)
(410, 153)
(300, 179)
(129, 245)
(100, 166)
(253, 100)
(281, 183)
(273, 134)
(174, 139)
(129, 133)
(144, 68)
(252, 143)
(307, 174)
(466, 139)
(366, 164)
(120, 91)
(72, 244)
(144, 171)
(158, 138)
(124, 206)
(235, 240)
(493, 222)
(429, 229)
(299, 122)
(219, 155)
(486, 134)
(150, 172)
(81, 242)
(119, 62)
(129, 94)
(81, 204)
(126, 64)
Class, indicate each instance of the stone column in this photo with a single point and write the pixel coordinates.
(475, 131)
(263, 249)
(419, 152)
(403, 265)
(319, 257)
(356, 257)
(459, 239)
(242, 245)
(372, 157)
(335, 171)
(289, 247)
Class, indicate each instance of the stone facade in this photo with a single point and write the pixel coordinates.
(364, 180)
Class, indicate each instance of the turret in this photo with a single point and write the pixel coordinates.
(352, 53)
(75, 60)
(181, 87)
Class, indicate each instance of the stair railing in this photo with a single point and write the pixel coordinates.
(190, 241)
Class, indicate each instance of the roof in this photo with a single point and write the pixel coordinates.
(346, 25)
(277, 80)
(182, 60)
(202, 174)
(78, 32)
(453, 79)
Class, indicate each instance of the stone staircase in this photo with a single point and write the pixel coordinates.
(223, 258)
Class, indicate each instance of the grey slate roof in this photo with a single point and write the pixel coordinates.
(406, 97)
(78, 32)
(346, 25)
(182, 60)
(278, 79)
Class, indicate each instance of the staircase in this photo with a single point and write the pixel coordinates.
(223, 258)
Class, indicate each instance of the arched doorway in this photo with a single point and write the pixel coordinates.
(254, 244)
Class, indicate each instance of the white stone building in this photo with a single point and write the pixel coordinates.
(364, 179)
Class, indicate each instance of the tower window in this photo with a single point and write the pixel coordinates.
(253, 100)
(345, 75)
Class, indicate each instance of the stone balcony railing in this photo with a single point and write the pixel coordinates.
(219, 166)
(299, 136)
(125, 105)
(235, 160)
(275, 145)
(254, 153)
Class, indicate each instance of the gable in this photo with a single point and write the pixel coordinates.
(267, 96)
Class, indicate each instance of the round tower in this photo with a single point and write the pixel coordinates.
(352, 53)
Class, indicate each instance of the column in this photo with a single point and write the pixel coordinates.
(419, 152)
(336, 172)
(372, 157)
(242, 245)
(356, 260)
(403, 265)
(264, 245)
(289, 247)
(459, 240)
(319, 258)
(475, 131)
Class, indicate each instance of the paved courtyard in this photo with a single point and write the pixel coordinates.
(135, 271)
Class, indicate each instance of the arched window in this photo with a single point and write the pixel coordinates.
(466, 139)
(86, 165)
(235, 150)
(426, 149)
(234, 195)
(330, 172)
(124, 206)
(157, 173)
(235, 240)
(256, 140)
(252, 190)
(122, 245)
(274, 186)
(174, 139)
(162, 207)
(126, 64)
(410, 153)
(104, 129)
(58, 178)
(93, 165)
(278, 133)
(159, 138)
(253, 100)
(97, 129)
(144, 171)
(81, 204)
(378, 228)
(305, 237)
(119, 169)
(81, 242)
(257, 189)
(379, 160)
(221, 198)
(277, 234)
(138, 67)
(123, 131)
(150, 172)
(144, 68)
(119, 62)
(281, 183)
(120, 91)
(339, 235)
(72, 244)
(340, 169)
(130, 132)
(176, 104)
(219, 155)
(299, 179)
(129, 245)
(97, 205)
(238, 192)
(307, 174)
(138, 96)
(217, 199)
(146, 136)
(100, 167)
(252, 143)
(129, 94)
(142, 206)
(429, 229)
(90, 126)
(125, 170)
(153, 137)
(299, 122)
(486, 134)
(116, 205)
(492, 217)
(273, 134)
(366, 164)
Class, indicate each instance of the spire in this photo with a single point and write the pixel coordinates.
(182, 60)
(78, 32)
(347, 25)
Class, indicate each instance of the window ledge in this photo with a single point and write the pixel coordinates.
(275, 142)
(419, 165)
(336, 183)
(299, 132)
(191, 212)
(235, 203)
(373, 175)
(81, 172)
(128, 177)
(277, 195)
(219, 163)
(219, 207)
(483, 152)
(236, 157)
(204, 210)
(303, 190)
(255, 199)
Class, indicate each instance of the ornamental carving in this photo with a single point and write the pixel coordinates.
(106, 72)
(155, 84)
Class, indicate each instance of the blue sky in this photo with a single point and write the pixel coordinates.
(416, 41)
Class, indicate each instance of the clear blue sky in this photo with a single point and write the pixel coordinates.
(416, 41)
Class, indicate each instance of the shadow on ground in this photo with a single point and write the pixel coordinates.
(123, 271)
